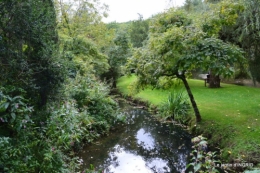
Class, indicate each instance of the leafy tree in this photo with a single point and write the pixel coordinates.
(238, 23)
(246, 34)
(193, 5)
(84, 57)
(118, 55)
(139, 31)
(38, 139)
(216, 56)
(223, 14)
(219, 16)
(29, 58)
(83, 18)
(175, 47)
(82, 36)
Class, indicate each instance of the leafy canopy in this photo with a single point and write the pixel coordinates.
(176, 46)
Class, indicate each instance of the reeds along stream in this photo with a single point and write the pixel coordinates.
(142, 145)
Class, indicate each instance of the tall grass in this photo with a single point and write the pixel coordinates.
(176, 107)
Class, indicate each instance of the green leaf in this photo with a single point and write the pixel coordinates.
(199, 156)
(197, 167)
(13, 116)
(4, 106)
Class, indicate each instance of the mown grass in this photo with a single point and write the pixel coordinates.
(230, 115)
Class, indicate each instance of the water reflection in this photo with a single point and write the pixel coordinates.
(128, 163)
(145, 139)
(142, 145)
(159, 165)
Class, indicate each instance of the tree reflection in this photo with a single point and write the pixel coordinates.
(144, 143)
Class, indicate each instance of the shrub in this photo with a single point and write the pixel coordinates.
(92, 96)
(175, 107)
(45, 140)
(32, 151)
(15, 113)
(202, 161)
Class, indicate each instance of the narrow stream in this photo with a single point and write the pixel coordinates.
(143, 145)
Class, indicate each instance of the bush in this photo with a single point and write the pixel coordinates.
(31, 150)
(15, 113)
(175, 107)
(45, 140)
(92, 96)
(202, 161)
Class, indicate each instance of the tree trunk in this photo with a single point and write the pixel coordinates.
(114, 82)
(214, 81)
(192, 100)
(43, 96)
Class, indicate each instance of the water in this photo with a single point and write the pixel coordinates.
(143, 145)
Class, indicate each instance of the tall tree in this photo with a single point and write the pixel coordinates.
(29, 48)
(84, 57)
(83, 36)
(83, 18)
(248, 28)
(118, 54)
(139, 31)
(219, 16)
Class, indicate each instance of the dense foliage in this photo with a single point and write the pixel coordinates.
(54, 55)
(178, 44)
(139, 31)
(117, 57)
(51, 98)
(250, 36)
(245, 33)
(28, 46)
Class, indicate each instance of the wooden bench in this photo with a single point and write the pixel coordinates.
(207, 79)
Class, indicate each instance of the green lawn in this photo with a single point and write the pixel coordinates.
(230, 115)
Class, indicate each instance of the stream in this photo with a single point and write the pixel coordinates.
(142, 145)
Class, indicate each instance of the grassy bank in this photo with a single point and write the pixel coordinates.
(230, 115)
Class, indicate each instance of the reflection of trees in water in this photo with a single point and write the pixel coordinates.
(172, 148)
